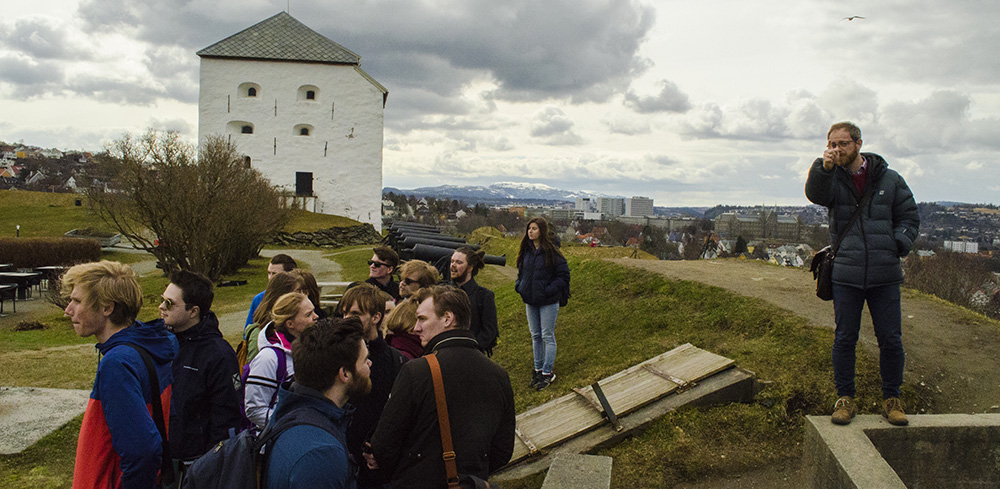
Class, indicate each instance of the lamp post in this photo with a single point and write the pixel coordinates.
(18, 231)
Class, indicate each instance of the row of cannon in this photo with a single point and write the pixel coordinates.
(414, 240)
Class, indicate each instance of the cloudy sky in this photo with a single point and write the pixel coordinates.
(690, 103)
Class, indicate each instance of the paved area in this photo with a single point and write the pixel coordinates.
(29, 413)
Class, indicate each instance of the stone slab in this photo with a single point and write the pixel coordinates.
(29, 413)
(572, 471)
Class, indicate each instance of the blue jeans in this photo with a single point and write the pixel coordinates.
(542, 324)
(883, 305)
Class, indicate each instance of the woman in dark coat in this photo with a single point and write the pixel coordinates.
(543, 282)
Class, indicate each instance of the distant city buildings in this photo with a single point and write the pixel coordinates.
(611, 207)
(764, 223)
(639, 207)
(961, 246)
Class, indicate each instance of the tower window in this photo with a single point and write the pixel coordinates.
(304, 131)
(251, 92)
(246, 130)
(310, 95)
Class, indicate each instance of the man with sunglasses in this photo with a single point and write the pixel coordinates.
(867, 265)
(380, 269)
(206, 398)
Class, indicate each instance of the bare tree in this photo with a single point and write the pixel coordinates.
(204, 211)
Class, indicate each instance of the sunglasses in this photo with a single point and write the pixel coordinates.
(377, 264)
(168, 302)
(407, 281)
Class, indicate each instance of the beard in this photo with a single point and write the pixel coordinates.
(359, 387)
(849, 158)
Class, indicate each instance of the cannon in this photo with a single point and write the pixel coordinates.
(431, 254)
(410, 241)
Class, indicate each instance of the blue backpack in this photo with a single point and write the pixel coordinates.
(238, 462)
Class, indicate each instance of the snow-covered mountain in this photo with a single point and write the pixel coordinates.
(513, 191)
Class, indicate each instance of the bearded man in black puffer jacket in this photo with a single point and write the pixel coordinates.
(867, 266)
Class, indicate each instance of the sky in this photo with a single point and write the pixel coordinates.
(689, 103)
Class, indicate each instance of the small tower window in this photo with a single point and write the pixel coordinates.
(249, 90)
(246, 161)
(247, 130)
(308, 93)
(239, 127)
(302, 130)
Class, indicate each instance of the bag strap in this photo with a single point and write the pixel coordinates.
(854, 218)
(448, 453)
(166, 464)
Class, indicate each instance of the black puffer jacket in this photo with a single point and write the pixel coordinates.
(205, 402)
(885, 231)
(540, 285)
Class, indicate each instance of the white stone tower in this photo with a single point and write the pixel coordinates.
(301, 109)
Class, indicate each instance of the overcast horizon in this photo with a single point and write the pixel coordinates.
(689, 103)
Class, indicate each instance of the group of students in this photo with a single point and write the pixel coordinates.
(211, 391)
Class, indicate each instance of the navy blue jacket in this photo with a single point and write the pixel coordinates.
(885, 231)
(538, 284)
(206, 399)
(305, 455)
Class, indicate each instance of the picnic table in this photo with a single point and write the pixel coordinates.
(23, 280)
(50, 273)
(8, 291)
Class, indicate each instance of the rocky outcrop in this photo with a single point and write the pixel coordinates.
(330, 238)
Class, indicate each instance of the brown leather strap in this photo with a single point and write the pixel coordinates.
(450, 468)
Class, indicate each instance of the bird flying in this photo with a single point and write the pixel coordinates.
(852, 17)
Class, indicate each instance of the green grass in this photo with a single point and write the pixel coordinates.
(308, 222)
(43, 214)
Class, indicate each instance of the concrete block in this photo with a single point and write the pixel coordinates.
(579, 472)
(950, 450)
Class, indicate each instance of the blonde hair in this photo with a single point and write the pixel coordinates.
(402, 318)
(285, 308)
(426, 274)
(106, 283)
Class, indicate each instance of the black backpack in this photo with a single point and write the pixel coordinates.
(238, 463)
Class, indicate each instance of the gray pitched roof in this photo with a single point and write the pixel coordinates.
(281, 38)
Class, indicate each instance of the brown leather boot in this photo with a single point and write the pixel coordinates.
(892, 409)
(844, 410)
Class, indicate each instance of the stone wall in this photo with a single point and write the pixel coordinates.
(361, 234)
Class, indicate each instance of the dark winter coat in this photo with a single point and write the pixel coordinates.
(386, 363)
(483, 321)
(540, 285)
(391, 287)
(885, 231)
(407, 441)
(206, 396)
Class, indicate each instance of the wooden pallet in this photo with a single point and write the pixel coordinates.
(626, 391)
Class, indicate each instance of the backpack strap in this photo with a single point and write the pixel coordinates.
(166, 464)
(448, 449)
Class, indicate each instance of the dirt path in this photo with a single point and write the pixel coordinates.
(316, 261)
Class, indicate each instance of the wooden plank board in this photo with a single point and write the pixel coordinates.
(626, 391)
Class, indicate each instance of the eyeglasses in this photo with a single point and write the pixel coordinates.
(407, 281)
(376, 264)
(168, 302)
(840, 144)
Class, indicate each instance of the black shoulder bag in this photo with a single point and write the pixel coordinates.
(822, 262)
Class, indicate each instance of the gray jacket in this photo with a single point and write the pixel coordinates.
(885, 231)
